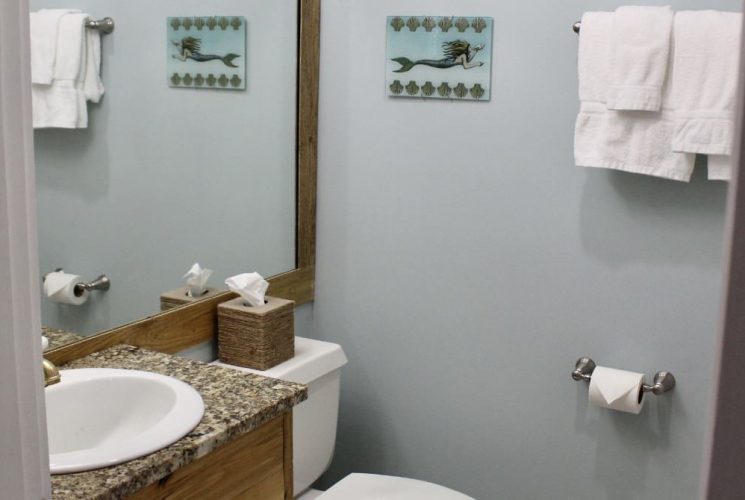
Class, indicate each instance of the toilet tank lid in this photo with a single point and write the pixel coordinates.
(313, 359)
(374, 487)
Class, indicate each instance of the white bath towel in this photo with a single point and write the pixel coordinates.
(44, 26)
(705, 74)
(632, 141)
(640, 48)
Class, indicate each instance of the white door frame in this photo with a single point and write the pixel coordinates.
(24, 470)
(724, 474)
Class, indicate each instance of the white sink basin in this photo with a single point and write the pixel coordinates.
(97, 417)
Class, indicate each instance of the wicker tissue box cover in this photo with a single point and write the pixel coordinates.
(178, 297)
(256, 337)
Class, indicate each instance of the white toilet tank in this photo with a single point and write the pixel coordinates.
(318, 365)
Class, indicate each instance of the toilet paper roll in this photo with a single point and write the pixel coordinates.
(617, 389)
(60, 287)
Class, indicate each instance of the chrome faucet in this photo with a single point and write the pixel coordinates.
(51, 373)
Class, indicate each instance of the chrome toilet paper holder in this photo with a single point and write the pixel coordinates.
(102, 283)
(663, 381)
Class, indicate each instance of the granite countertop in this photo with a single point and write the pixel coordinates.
(235, 403)
(58, 338)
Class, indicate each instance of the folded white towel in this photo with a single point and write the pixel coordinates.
(62, 103)
(640, 48)
(44, 26)
(632, 141)
(705, 75)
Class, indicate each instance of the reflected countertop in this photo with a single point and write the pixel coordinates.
(235, 403)
(58, 338)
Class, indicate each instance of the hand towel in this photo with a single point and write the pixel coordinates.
(92, 84)
(58, 104)
(632, 141)
(593, 53)
(705, 74)
(640, 49)
(44, 26)
(82, 108)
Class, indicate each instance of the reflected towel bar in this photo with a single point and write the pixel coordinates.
(663, 381)
(105, 25)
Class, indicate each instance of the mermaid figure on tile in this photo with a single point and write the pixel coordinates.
(189, 48)
(457, 53)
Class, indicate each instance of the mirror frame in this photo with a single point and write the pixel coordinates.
(191, 324)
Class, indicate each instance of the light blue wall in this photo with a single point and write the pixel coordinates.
(165, 177)
(465, 263)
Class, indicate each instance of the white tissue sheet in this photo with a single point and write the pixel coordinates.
(251, 286)
(196, 280)
(616, 389)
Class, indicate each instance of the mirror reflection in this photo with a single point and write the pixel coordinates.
(161, 174)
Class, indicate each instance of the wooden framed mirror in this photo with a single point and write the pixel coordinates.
(188, 325)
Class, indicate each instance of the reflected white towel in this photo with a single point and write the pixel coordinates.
(92, 84)
(632, 141)
(640, 49)
(76, 77)
(705, 74)
(44, 26)
(57, 105)
(88, 84)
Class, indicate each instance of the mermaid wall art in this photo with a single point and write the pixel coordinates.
(439, 57)
(206, 52)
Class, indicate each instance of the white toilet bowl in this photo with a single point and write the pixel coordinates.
(374, 487)
(318, 365)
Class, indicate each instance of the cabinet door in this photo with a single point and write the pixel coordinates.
(257, 465)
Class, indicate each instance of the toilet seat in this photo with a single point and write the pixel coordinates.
(376, 487)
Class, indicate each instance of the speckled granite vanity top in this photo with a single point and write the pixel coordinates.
(235, 403)
(58, 338)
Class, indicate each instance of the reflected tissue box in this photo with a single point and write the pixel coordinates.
(179, 297)
(257, 337)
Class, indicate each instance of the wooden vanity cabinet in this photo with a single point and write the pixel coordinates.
(256, 465)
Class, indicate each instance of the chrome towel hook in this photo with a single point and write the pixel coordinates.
(663, 381)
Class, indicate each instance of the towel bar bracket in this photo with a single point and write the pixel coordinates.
(105, 25)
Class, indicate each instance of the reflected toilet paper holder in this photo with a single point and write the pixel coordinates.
(663, 381)
(101, 283)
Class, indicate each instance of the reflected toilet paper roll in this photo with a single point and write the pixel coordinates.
(617, 389)
(60, 287)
